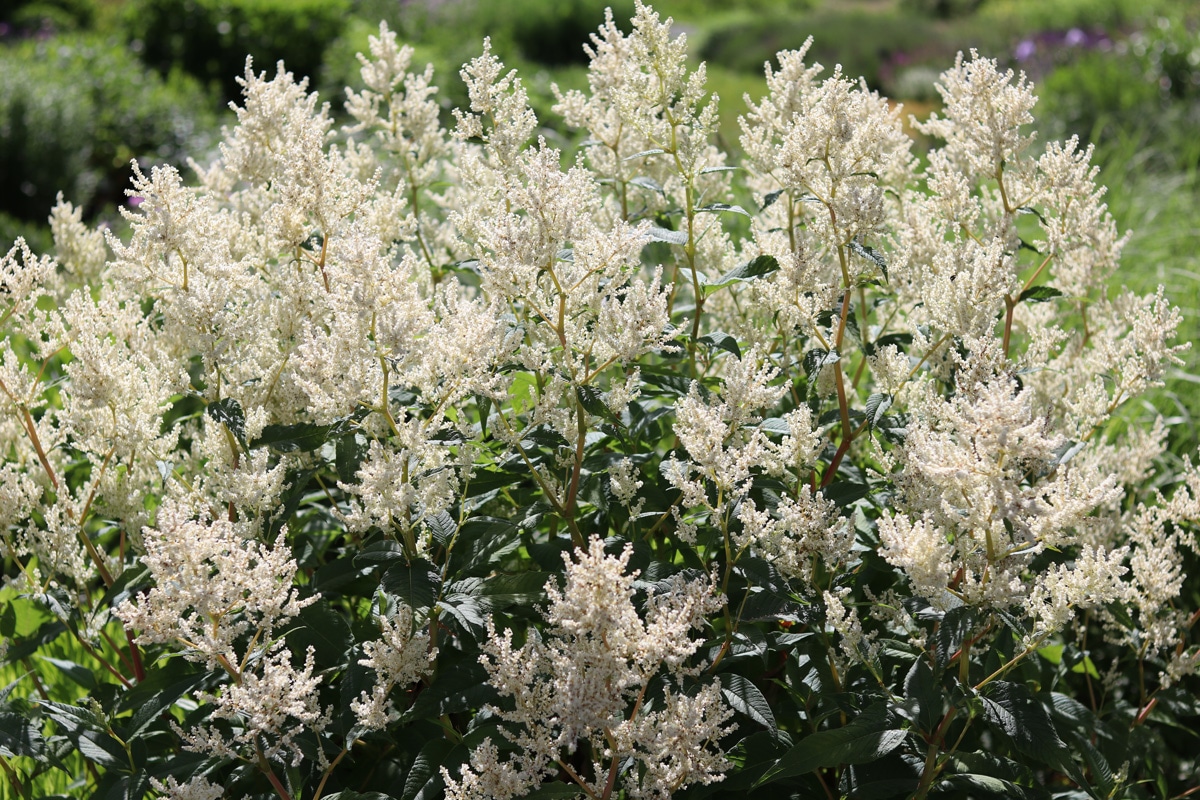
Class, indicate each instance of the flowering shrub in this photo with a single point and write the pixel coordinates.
(397, 462)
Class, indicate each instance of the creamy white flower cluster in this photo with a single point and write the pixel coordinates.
(586, 687)
(942, 339)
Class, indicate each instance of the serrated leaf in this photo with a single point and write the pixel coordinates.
(658, 234)
(416, 584)
(871, 254)
(816, 360)
(301, 437)
(592, 400)
(722, 341)
(867, 738)
(325, 630)
(442, 527)
(20, 737)
(228, 412)
(520, 588)
(723, 208)
(742, 695)
(424, 770)
(877, 406)
(1039, 294)
(102, 749)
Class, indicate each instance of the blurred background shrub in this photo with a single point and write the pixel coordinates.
(75, 109)
(210, 39)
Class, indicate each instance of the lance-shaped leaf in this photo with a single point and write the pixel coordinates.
(867, 738)
(754, 268)
(722, 341)
(742, 695)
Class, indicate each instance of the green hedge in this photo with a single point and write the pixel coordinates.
(211, 38)
(74, 110)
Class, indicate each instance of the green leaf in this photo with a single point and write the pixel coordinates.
(76, 672)
(657, 234)
(102, 749)
(442, 527)
(722, 341)
(656, 151)
(954, 627)
(985, 785)
(754, 268)
(520, 588)
(423, 774)
(867, 738)
(592, 400)
(461, 686)
(8, 621)
(723, 208)
(415, 584)
(815, 360)
(301, 437)
(20, 737)
(1039, 294)
(1012, 708)
(348, 456)
(770, 198)
(228, 412)
(708, 170)
(921, 689)
(647, 183)
(325, 630)
(877, 406)
(871, 254)
(742, 695)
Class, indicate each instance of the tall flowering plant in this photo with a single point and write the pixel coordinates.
(386, 461)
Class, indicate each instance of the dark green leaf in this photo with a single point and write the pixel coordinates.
(984, 785)
(877, 405)
(724, 208)
(1039, 294)
(442, 527)
(520, 588)
(770, 198)
(871, 255)
(424, 773)
(20, 737)
(229, 413)
(923, 692)
(954, 627)
(325, 630)
(102, 749)
(416, 584)
(742, 695)
(299, 438)
(722, 341)
(348, 794)
(349, 454)
(815, 360)
(867, 738)
(647, 183)
(657, 234)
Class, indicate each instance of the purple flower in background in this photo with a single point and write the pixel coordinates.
(136, 201)
(1025, 50)
(1075, 37)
